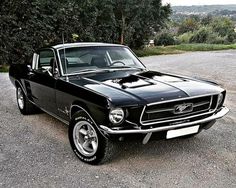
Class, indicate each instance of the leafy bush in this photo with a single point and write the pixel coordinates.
(218, 30)
(188, 25)
(165, 39)
(201, 36)
(231, 37)
(207, 35)
(214, 38)
(223, 26)
(185, 38)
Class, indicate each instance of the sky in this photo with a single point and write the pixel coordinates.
(198, 2)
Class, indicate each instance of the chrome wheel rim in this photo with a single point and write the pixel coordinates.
(85, 138)
(20, 98)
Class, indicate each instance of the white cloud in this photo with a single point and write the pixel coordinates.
(198, 2)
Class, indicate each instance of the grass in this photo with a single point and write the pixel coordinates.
(4, 68)
(177, 49)
(160, 50)
(204, 47)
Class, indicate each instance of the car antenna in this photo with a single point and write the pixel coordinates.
(64, 50)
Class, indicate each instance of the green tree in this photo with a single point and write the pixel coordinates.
(207, 20)
(137, 19)
(28, 25)
(223, 26)
(188, 25)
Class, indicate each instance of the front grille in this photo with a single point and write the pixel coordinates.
(179, 109)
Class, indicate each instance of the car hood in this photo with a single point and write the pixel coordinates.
(139, 88)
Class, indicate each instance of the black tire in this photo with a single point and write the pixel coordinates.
(25, 106)
(105, 148)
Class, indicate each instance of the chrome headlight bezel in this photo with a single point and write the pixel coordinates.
(116, 116)
(220, 99)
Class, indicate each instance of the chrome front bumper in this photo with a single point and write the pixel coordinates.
(223, 111)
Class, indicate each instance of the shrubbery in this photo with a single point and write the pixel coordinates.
(214, 38)
(231, 37)
(209, 30)
(201, 35)
(185, 38)
(165, 39)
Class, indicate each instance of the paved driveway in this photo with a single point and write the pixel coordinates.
(35, 152)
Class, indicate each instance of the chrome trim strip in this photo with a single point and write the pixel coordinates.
(223, 111)
(61, 68)
(177, 119)
(78, 106)
(35, 60)
(172, 109)
(157, 111)
(131, 123)
(201, 104)
(51, 114)
(55, 116)
(180, 99)
(75, 105)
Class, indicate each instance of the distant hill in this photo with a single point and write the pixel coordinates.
(204, 9)
(182, 12)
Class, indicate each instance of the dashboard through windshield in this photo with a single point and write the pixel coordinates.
(84, 59)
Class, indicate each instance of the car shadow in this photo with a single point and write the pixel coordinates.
(135, 150)
(130, 150)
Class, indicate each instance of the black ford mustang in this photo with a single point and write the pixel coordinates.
(104, 93)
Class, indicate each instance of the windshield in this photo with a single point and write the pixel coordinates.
(85, 59)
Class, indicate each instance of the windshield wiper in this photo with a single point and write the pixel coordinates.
(126, 67)
(110, 69)
(90, 70)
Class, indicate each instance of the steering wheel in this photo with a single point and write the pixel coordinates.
(117, 62)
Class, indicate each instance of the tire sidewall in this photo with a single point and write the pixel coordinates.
(100, 153)
(21, 110)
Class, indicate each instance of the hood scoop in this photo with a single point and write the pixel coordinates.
(129, 82)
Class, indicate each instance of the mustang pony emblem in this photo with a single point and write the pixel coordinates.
(183, 108)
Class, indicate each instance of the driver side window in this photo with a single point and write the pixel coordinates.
(46, 61)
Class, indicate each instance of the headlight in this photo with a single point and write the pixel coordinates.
(116, 115)
(220, 99)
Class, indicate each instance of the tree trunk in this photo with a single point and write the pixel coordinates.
(122, 29)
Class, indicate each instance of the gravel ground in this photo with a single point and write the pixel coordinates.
(35, 152)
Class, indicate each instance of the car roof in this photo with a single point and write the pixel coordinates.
(83, 44)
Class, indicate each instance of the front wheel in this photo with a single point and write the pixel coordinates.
(87, 141)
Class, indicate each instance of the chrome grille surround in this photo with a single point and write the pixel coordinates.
(184, 116)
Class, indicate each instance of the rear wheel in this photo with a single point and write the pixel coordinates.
(24, 105)
(87, 142)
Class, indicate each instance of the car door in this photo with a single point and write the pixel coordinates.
(43, 80)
